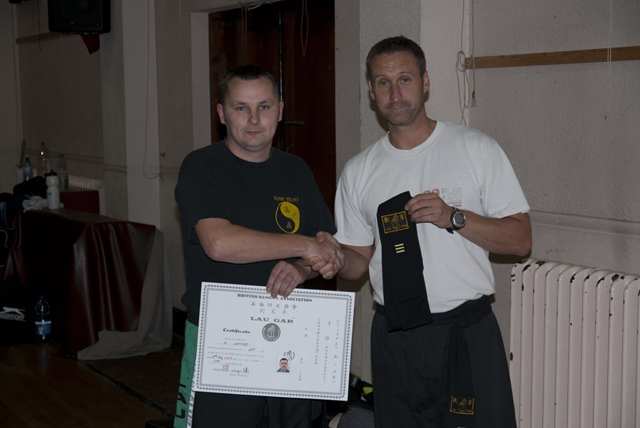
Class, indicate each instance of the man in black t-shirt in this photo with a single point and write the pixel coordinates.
(249, 215)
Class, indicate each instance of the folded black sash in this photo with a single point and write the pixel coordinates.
(459, 398)
(405, 295)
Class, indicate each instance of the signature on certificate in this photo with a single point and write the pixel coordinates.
(239, 372)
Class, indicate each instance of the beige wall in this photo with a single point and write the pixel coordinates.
(10, 132)
(132, 157)
(578, 169)
(571, 129)
(148, 107)
(59, 87)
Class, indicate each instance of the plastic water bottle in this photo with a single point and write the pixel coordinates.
(53, 193)
(63, 173)
(27, 170)
(43, 163)
(43, 321)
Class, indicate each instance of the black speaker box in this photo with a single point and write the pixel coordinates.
(80, 16)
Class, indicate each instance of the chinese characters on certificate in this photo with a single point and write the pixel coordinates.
(251, 343)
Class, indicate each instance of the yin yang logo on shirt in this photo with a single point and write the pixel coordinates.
(288, 217)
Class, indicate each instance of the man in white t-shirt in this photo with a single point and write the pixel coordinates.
(420, 210)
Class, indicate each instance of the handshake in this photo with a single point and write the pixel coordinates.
(327, 258)
(322, 255)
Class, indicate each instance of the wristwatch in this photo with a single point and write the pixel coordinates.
(458, 220)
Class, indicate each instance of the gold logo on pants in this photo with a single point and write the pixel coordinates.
(462, 406)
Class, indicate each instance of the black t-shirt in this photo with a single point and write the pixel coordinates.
(279, 195)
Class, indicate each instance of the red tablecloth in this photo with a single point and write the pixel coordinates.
(90, 268)
(86, 200)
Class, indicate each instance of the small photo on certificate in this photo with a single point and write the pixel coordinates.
(252, 344)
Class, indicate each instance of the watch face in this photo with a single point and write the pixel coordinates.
(459, 218)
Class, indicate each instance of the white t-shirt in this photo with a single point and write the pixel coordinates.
(468, 169)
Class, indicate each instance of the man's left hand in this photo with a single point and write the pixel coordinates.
(429, 208)
(285, 277)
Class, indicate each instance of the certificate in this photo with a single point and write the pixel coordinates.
(252, 344)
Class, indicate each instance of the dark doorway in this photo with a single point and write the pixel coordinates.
(297, 46)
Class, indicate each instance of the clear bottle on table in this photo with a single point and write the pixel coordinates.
(27, 169)
(63, 173)
(43, 161)
(43, 321)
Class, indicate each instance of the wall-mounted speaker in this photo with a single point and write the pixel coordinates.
(80, 16)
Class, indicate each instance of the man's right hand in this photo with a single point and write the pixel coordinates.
(332, 262)
(328, 258)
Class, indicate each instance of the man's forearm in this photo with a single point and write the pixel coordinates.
(241, 245)
(226, 242)
(356, 263)
(509, 235)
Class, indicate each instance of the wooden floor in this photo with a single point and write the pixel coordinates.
(39, 388)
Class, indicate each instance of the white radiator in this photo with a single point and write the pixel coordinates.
(574, 346)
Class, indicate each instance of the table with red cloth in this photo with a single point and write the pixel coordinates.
(76, 198)
(105, 280)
